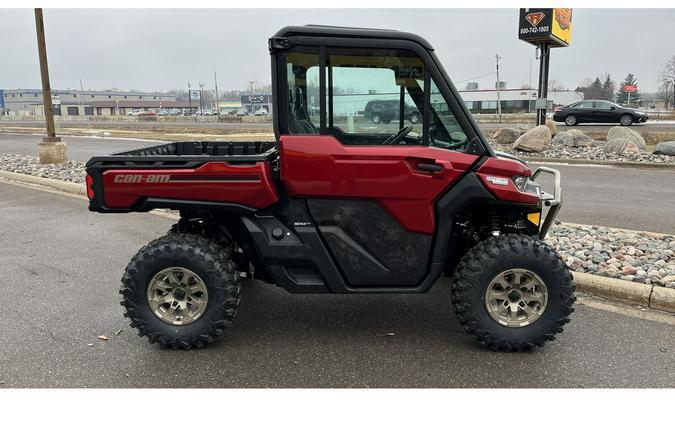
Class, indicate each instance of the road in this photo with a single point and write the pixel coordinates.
(608, 196)
(651, 126)
(61, 267)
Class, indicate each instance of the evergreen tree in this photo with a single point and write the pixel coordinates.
(622, 97)
(608, 88)
(594, 90)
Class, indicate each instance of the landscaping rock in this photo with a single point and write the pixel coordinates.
(619, 132)
(572, 138)
(536, 139)
(505, 135)
(550, 124)
(623, 146)
(665, 148)
(579, 138)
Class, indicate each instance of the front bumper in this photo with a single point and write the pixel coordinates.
(642, 119)
(550, 202)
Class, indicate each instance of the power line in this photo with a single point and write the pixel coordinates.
(476, 77)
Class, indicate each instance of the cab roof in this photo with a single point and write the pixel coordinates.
(350, 32)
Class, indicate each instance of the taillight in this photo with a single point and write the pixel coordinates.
(90, 191)
(557, 109)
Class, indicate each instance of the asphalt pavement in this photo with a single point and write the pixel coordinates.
(61, 267)
(608, 196)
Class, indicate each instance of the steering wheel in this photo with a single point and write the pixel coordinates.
(398, 135)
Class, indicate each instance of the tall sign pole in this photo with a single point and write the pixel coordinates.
(545, 28)
(215, 81)
(51, 150)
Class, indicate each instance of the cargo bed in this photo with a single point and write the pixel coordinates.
(237, 176)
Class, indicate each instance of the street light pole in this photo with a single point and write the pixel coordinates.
(215, 80)
(499, 99)
(51, 150)
(189, 98)
(201, 98)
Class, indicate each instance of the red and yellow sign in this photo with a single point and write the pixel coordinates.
(562, 24)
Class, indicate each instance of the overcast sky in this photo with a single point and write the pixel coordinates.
(164, 49)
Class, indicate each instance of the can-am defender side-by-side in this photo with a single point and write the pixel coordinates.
(339, 204)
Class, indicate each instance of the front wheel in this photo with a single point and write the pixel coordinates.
(181, 291)
(512, 293)
(626, 120)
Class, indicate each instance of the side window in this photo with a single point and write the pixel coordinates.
(302, 72)
(584, 105)
(601, 105)
(373, 95)
(445, 131)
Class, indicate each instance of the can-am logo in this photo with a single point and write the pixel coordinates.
(142, 178)
(501, 181)
(534, 18)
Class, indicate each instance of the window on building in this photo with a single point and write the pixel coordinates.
(489, 105)
(72, 111)
(469, 104)
(20, 95)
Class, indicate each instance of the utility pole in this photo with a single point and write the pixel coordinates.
(499, 99)
(529, 90)
(215, 80)
(51, 150)
(201, 98)
(190, 98)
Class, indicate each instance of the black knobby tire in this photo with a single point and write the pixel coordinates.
(493, 256)
(210, 261)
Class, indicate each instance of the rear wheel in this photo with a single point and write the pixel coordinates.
(571, 120)
(512, 293)
(626, 120)
(414, 118)
(181, 291)
(376, 118)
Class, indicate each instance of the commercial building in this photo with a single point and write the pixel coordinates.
(513, 100)
(28, 102)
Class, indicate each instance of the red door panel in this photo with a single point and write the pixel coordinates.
(320, 166)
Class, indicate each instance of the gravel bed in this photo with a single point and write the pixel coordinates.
(634, 256)
(71, 171)
(593, 152)
(628, 255)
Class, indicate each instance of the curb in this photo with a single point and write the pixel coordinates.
(615, 163)
(70, 187)
(645, 295)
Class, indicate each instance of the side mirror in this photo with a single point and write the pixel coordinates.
(612, 108)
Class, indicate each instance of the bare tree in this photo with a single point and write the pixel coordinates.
(667, 82)
(555, 85)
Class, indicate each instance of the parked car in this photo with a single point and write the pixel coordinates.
(146, 113)
(163, 112)
(260, 112)
(598, 111)
(384, 111)
(134, 113)
(242, 112)
(209, 113)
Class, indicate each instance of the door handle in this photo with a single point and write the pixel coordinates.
(429, 167)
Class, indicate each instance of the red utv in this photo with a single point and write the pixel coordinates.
(339, 205)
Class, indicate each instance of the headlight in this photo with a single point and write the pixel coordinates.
(520, 182)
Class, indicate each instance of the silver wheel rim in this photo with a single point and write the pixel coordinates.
(516, 298)
(626, 120)
(571, 120)
(376, 119)
(177, 296)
